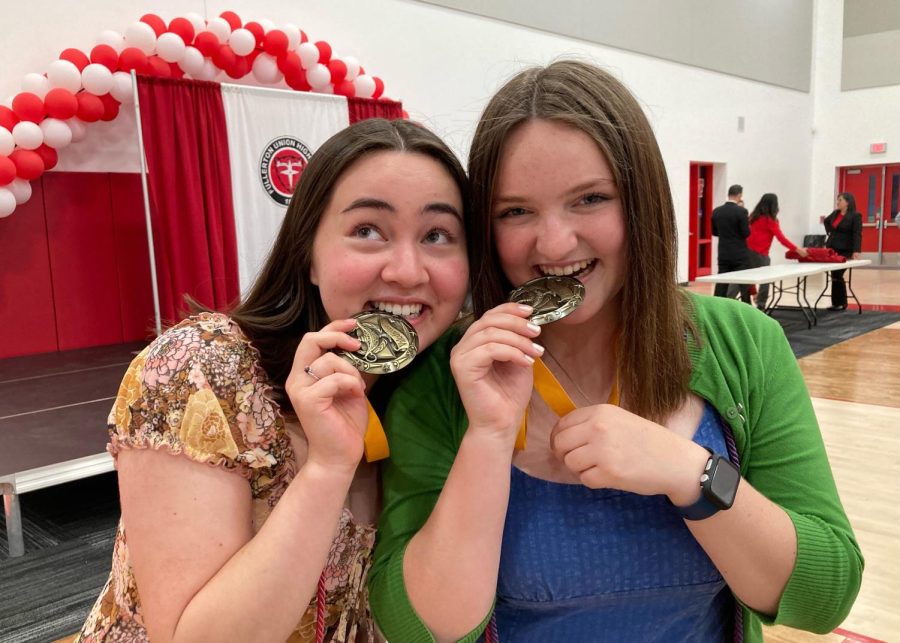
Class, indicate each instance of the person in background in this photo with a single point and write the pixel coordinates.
(763, 228)
(843, 229)
(730, 223)
(688, 495)
(247, 509)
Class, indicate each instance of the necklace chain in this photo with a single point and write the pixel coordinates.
(569, 377)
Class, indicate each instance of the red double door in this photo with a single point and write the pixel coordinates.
(877, 192)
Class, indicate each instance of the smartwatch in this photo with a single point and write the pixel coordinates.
(718, 487)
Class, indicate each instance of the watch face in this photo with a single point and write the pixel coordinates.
(724, 483)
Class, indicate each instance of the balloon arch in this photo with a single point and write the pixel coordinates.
(52, 109)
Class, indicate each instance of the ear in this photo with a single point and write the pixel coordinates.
(313, 274)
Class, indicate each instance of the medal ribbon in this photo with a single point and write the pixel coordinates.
(375, 441)
(552, 392)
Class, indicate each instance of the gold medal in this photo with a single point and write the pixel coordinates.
(551, 297)
(389, 343)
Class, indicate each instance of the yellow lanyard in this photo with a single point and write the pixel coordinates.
(552, 392)
(375, 441)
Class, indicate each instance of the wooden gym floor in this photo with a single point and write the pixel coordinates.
(855, 386)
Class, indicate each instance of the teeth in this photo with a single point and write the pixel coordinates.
(405, 310)
(560, 271)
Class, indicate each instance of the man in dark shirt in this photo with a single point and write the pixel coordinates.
(730, 222)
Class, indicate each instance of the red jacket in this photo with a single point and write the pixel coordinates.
(761, 232)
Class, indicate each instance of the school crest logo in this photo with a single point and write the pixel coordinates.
(280, 167)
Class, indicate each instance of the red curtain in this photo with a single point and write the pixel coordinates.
(363, 108)
(189, 178)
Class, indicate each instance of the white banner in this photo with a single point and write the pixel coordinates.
(271, 135)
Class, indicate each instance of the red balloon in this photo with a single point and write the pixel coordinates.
(338, 69)
(133, 58)
(324, 51)
(289, 63)
(240, 68)
(297, 80)
(90, 107)
(207, 42)
(276, 43)
(110, 108)
(224, 57)
(29, 107)
(361, 71)
(29, 164)
(256, 29)
(158, 24)
(61, 103)
(303, 37)
(106, 56)
(379, 87)
(233, 20)
(76, 57)
(184, 28)
(7, 118)
(405, 114)
(7, 171)
(158, 67)
(345, 88)
(176, 71)
(48, 155)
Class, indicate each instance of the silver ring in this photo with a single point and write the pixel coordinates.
(308, 370)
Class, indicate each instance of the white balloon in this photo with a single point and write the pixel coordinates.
(192, 61)
(97, 79)
(318, 77)
(309, 55)
(122, 89)
(220, 27)
(327, 89)
(78, 129)
(170, 47)
(352, 67)
(112, 38)
(21, 190)
(28, 135)
(242, 41)
(37, 84)
(7, 142)
(265, 69)
(62, 73)
(266, 24)
(208, 71)
(7, 202)
(56, 133)
(365, 86)
(292, 31)
(198, 21)
(142, 36)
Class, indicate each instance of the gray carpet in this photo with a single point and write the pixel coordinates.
(69, 529)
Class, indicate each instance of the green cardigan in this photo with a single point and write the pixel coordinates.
(743, 365)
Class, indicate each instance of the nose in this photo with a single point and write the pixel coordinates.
(556, 237)
(405, 266)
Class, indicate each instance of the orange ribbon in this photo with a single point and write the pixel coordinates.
(375, 441)
(552, 392)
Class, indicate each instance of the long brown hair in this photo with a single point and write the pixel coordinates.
(767, 207)
(283, 304)
(654, 366)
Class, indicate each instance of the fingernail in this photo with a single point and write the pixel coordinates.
(534, 328)
(529, 359)
(526, 309)
(538, 348)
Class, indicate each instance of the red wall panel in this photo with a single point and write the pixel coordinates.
(82, 259)
(132, 256)
(27, 319)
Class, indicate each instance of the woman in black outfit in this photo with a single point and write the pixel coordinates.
(844, 230)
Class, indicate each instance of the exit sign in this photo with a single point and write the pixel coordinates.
(877, 148)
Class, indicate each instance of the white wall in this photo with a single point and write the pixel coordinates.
(444, 65)
(845, 122)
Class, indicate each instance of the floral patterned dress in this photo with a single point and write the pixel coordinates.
(199, 391)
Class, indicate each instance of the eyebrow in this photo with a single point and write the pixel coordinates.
(581, 187)
(437, 207)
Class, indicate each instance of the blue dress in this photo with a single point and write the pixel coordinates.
(582, 564)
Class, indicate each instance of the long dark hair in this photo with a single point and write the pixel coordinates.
(654, 366)
(767, 207)
(283, 304)
(851, 202)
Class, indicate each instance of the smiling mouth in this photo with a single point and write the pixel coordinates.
(576, 269)
(407, 311)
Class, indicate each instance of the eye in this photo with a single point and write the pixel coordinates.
(367, 231)
(593, 199)
(510, 213)
(439, 236)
